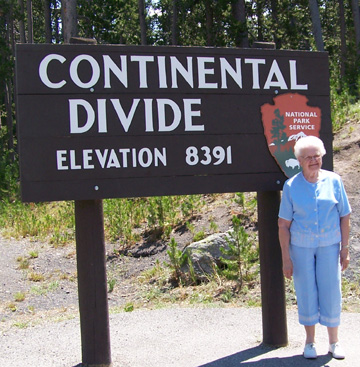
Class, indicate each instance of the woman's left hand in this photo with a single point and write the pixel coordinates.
(344, 258)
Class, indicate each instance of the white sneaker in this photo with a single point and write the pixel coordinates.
(310, 351)
(336, 350)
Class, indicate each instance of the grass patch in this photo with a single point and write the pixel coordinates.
(158, 288)
(67, 276)
(43, 289)
(11, 306)
(21, 325)
(19, 297)
(23, 263)
(53, 222)
(354, 111)
(129, 307)
(343, 108)
(111, 284)
(351, 294)
(34, 254)
(33, 276)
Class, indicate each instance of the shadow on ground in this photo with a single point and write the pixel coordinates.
(243, 359)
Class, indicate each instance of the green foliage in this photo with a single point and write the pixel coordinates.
(121, 216)
(6, 57)
(240, 256)
(111, 284)
(341, 104)
(239, 199)
(55, 221)
(190, 205)
(9, 185)
(199, 236)
(159, 214)
(213, 227)
(51, 221)
(351, 293)
(19, 296)
(194, 28)
(114, 21)
(33, 254)
(23, 263)
(9, 171)
(161, 211)
(129, 307)
(177, 260)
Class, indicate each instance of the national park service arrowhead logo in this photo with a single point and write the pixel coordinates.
(286, 121)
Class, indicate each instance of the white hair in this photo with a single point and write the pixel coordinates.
(309, 142)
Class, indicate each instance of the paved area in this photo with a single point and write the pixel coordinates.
(179, 337)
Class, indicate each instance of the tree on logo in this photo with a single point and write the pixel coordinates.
(277, 131)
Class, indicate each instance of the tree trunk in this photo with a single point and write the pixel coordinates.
(3, 32)
(29, 21)
(209, 23)
(259, 15)
(47, 13)
(56, 18)
(69, 19)
(10, 41)
(356, 16)
(174, 24)
(316, 24)
(9, 121)
(141, 4)
(21, 22)
(239, 14)
(342, 39)
(275, 18)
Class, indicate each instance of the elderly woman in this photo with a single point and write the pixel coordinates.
(314, 226)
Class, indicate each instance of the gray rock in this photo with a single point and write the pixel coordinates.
(205, 254)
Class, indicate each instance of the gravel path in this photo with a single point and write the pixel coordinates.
(179, 337)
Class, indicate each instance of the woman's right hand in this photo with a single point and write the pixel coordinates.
(288, 268)
(284, 237)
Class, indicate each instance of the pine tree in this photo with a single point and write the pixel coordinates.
(277, 131)
(240, 254)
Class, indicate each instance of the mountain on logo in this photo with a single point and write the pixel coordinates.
(297, 136)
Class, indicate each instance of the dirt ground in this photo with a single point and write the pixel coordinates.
(347, 164)
(48, 280)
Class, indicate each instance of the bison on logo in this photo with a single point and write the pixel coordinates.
(286, 121)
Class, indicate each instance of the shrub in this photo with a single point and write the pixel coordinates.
(240, 256)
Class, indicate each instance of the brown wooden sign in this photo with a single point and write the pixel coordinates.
(119, 121)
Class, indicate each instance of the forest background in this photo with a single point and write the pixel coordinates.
(324, 25)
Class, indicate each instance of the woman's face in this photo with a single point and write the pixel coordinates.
(310, 160)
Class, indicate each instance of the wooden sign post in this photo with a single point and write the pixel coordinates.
(111, 121)
(273, 299)
(92, 284)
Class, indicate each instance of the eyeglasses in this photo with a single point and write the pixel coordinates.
(309, 158)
